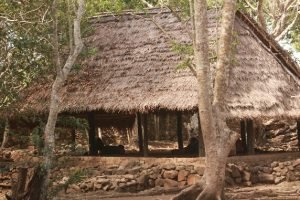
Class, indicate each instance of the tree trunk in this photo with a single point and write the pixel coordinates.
(19, 188)
(55, 101)
(298, 133)
(201, 142)
(218, 139)
(5, 134)
(33, 189)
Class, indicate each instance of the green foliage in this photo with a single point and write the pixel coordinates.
(72, 122)
(88, 52)
(211, 4)
(37, 136)
(182, 5)
(294, 35)
(182, 49)
(184, 64)
(94, 7)
(24, 47)
(185, 50)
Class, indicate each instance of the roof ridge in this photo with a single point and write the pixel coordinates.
(283, 56)
(131, 11)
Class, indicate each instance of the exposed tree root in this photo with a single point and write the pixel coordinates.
(209, 194)
(190, 193)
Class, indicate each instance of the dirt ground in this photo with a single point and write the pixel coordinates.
(282, 191)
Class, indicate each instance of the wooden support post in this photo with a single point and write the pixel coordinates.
(92, 134)
(140, 132)
(250, 137)
(298, 133)
(156, 125)
(73, 137)
(179, 130)
(243, 135)
(145, 135)
(201, 141)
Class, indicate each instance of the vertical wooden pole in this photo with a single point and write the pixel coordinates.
(179, 130)
(92, 133)
(140, 132)
(145, 134)
(298, 133)
(156, 124)
(73, 138)
(99, 133)
(201, 141)
(243, 135)
(250, 137)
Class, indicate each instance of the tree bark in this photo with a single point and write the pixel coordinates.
(34, 191)
(18, 190)
(201, 142)
(260, 14)
(5, 134)
(218, 139)
(298, 133)
(55, 101)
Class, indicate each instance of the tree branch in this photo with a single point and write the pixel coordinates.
(260, 14)
(149, 5)
(284, 32)
(56, 57)
(224, 51)
(161, 29)
(250, 5)
(192, 68)
(77, 40)
(70, 26)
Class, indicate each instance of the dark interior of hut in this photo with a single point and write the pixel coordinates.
(160, 134)
(154, 134)
(175, 134)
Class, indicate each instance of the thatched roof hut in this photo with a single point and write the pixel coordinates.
(134, 69)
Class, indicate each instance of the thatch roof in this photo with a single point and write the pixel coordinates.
(134, 69)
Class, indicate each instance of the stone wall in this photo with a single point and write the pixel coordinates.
(123, 174)
(138, 174)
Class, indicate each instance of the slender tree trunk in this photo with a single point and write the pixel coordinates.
(55, 101)
(5, 134)
(298, 133)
